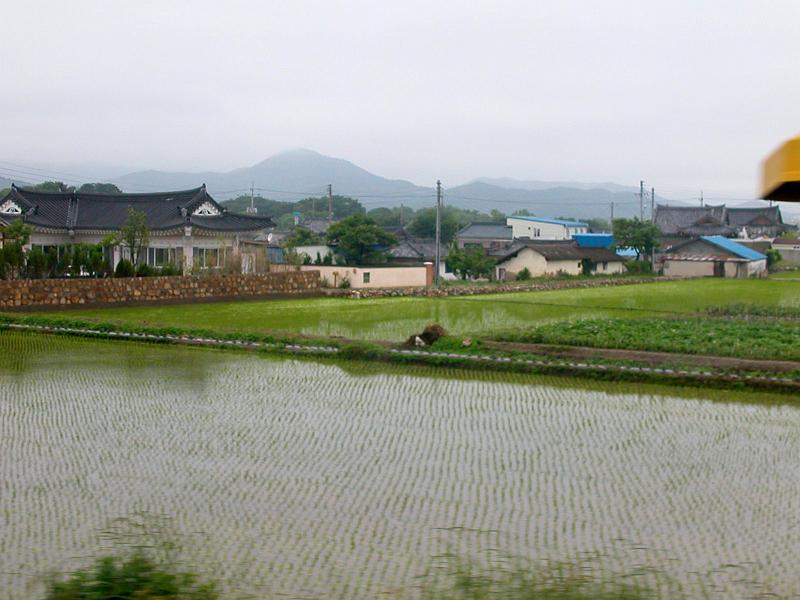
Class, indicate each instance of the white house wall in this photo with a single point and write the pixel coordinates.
(523, 228)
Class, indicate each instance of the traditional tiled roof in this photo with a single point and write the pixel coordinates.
(556, 250)
(695, 221)
(420, 249)
(486, 231)
(75, 211)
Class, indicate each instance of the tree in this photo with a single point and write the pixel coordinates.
(52, 186)
(100, 188)
(496, 216)
(642, 236)
(359, 240)
(343, 206)
(135, 234)
(470, 262)
(12, 254)
(522, 212)
(301, 237)
(424, 224)
(598, 224)
(395, 216)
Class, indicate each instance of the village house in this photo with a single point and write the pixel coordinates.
(555, 257)
(789, 249)
(187, 228)
(677, 223)
(713, 256)
(540, 228)
(486, 235)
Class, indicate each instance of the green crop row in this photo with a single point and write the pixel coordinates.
(761, 339)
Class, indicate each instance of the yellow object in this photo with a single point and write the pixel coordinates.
(780, 178)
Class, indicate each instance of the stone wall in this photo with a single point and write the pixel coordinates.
(75, 292)
(472, 290)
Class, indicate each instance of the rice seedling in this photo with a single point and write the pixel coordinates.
(320, 479)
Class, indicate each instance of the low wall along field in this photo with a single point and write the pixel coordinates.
(76, 292)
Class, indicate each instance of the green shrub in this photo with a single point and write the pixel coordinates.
(135, 575)
(773, 257)
(145, 270)
(524, 275)
(345, 283)
(638, 266)
(124, 269)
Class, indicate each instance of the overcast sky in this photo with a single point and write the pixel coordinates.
(684, 94)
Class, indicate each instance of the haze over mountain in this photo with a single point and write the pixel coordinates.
(297, 174)
(300, 173)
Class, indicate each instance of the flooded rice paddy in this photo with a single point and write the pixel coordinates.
(307, 479)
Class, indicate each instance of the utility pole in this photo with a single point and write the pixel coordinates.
(330, 204)
(612, 215)
(641, 200)
(652, 205)
(252, 209)
(701, 198)
(401, 215)
(653, 221)
(438, 256)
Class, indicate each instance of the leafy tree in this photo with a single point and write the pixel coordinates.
(496, 216)
(773, 257)
(343, 206)
(135, 234)
(424, 224)
(642, 236)
(598, 224)
(100, 188)
(301, 237)
(12, 254)
(52, 186)
(359, 240)
(523, 212)
(470, 262)
(395, 216)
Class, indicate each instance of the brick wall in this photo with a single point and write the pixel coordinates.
(73, 292)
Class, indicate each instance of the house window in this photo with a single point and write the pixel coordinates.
(207, 258)
(366, 276)
(158, 257)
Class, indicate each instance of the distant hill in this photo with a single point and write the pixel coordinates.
(574, 202)
(296, 174)
(521, 184)
(288, 176)
(6, 183)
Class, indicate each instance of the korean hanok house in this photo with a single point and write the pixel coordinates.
(187, 228)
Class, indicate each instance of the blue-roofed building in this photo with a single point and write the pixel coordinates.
(594, 240)
(713, 256)
(542, 228)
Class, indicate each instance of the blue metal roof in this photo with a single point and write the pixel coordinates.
(735, 248)
(594, 240)
(551, 221)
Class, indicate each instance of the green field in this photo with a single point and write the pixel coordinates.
(767, 339)
(308, 479)
(397, 318)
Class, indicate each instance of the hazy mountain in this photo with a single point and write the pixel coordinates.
(6, 183)
(290, 175)
(581, 203)
(522, 184)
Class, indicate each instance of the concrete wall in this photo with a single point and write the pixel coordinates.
(789, 253)
(688, 268)
(82, 291)
(523, 228)
(378, 277)
(705, 268)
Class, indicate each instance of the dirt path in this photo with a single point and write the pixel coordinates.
(649, 358)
